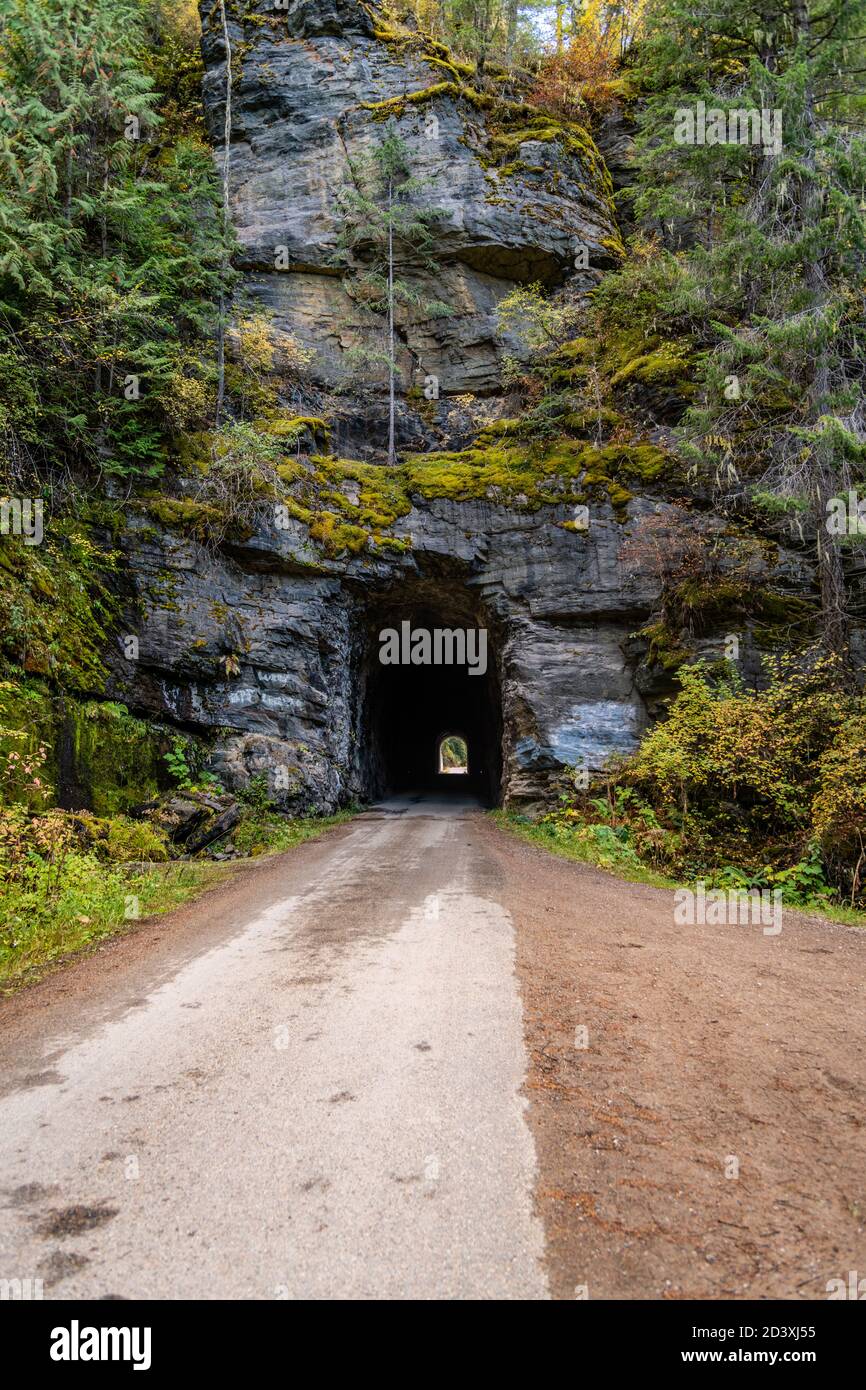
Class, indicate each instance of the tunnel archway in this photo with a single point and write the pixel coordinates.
(406, 707)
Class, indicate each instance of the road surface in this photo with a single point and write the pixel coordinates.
(358, 1071)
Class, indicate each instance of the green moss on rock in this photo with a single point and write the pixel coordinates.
(668, 365)
(98, 754)
(347, 504)
(394, 107)
(640, 462)
(197, 519)
(57, 605)
(292, 428)
(116, 758)
(666, 648)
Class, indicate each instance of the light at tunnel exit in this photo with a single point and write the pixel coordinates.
(453, 755)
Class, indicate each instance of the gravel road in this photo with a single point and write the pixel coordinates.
(418, 1058)
(316, 1094)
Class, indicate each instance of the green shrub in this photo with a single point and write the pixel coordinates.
(128, 840)
(839, 805)
(177, 760)
(725, 746)
(743, 788)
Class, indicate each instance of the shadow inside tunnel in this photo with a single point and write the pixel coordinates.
(408, 711)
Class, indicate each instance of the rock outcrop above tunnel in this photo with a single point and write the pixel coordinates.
(515, 195)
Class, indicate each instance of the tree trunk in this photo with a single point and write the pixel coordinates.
(831, 575)
(511, 17)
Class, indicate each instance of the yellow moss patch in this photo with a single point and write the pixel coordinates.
(395, 106)
(527, 475)
(292, 427)
(641, 462)
(194, 452)
(292, 471)
(519, 124)
(347, 504)
(667, 365)
(350, 505)
(627, 356)
(380, 491)
(184, 514)
(336, 535)
(498, 428)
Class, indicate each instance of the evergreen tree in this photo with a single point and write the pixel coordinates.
(770, 243)
(111, 249)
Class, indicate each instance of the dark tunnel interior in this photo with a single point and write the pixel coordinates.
(407, 709)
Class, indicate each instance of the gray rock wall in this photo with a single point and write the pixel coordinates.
(557, 603)
(303, 82)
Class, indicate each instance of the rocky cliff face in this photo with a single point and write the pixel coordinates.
(312, 85)
(270, 645)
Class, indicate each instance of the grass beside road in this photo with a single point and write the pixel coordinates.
(550, 836)
(57, 915)
(566, 845)
(56, 907)
(267, 832)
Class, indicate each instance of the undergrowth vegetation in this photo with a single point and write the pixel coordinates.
(269, 832)
(66, 883)
(69, 879)
(742, 788)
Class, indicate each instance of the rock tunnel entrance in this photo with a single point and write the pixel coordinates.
(428, 672)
